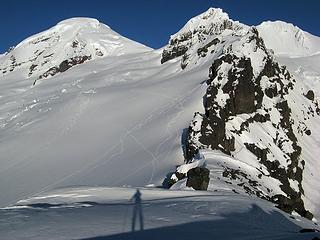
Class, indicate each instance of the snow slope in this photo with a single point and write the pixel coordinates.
(106, 111)
(72, 42)
(110, 121)
(289, 40)
(106, 213)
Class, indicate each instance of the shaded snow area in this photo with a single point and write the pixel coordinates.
(106, 213)
(88, 116)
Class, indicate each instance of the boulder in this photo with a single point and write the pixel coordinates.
(198, 178)
(310, 95)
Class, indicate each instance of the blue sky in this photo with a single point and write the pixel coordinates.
(150, 22)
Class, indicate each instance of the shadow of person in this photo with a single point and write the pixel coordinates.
(137, 210)
(254, 223)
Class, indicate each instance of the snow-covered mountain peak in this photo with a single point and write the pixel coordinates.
(279, 26)
(69, 43)
(254, 127)
(68, 30)
(214, 20)
(212, 15)
(84, 25)
(286, 39)
(84, 21)
(201, 34)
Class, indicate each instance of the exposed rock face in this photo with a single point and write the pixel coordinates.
(65, 65)
(199, 36)
(240, 87)
(175, 51)
(310, 95)
(173, 178)
(247, 92)
(205, 131)
(198, 178)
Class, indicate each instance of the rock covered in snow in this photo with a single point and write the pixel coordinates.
(246, 106)
(69, 43)
(200, 35)
(257, 128)
(198, 178)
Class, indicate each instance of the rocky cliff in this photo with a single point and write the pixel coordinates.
(247, 108)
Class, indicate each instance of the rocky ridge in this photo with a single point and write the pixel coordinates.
(247, 108)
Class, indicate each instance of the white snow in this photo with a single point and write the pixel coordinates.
(211, 16)
(117, 120)
(289, 40)
(71, 38)
(218, 162)
(106, 213)
(186, 167)
(111, 121)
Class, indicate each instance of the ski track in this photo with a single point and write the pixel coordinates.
(155, 156)
(66, 128)
(42, 104)
(97, 163)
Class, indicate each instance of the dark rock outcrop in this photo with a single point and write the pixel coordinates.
(176, 51)
(202, 52)
(185, 40)
(65, 65)
(198, 178)
(310, 95)
(240, 87)
(173, 178)
(237, 90)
